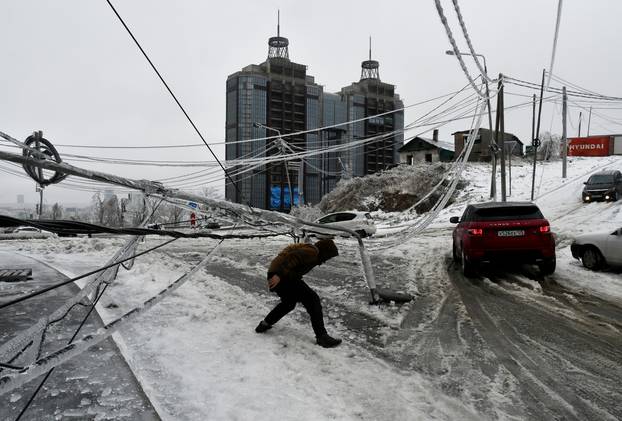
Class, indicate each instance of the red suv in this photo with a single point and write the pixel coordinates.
(503, 231)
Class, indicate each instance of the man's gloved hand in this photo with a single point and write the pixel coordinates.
(274, 281)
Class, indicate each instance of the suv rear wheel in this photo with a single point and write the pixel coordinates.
(592, 258)
(454, 254)
(468, 268)
(547, 267)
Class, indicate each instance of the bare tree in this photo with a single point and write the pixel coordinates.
(112, 215)
(138, 212)
(175, 213)
(57, 211)
(211, 192)
(97, 209)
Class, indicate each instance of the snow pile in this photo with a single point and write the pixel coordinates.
(392, 190)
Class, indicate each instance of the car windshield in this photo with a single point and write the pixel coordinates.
(600, 178)
(508, 212)
(337, 217)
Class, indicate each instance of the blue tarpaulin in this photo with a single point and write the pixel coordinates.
(275, 197)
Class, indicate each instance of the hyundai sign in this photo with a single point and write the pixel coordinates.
(589, 146)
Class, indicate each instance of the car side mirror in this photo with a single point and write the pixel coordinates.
(454, 219)
(585, 182)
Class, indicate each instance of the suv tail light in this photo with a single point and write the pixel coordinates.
(545, 229)
(476, 231)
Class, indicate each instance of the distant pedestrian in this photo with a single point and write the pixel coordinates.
(285, 279)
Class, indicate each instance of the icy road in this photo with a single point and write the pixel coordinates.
(505, 345)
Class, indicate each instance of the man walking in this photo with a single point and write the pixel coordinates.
(285, 279)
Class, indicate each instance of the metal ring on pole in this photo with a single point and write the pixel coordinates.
(38, 143)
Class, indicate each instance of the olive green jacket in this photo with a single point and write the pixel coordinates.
(294, 261)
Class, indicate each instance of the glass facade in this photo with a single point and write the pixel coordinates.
(246, 104)
(356, 158)
(279, 94)
(369, 98)
(312, 165)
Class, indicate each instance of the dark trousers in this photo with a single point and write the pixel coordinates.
(292, 292)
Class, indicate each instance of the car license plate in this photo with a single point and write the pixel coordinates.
(511, 233)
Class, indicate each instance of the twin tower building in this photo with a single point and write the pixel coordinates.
(278, 99)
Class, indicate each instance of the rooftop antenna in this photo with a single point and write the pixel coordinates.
(369, 68)
(278, 44)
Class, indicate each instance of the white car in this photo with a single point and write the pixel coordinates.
(598, 250)
(26, 229)
(31, 232)
(359, 222)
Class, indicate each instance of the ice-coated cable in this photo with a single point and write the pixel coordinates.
(454, 46)
(468, 40)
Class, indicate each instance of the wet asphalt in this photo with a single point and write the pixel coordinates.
(96, 385)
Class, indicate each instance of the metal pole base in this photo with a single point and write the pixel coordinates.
(383, 295)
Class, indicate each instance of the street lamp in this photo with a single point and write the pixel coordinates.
(493, 180)
(282, 148)
(451, 53)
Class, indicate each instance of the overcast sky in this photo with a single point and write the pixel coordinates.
(70, 69)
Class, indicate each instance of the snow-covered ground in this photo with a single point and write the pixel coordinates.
(196, 353)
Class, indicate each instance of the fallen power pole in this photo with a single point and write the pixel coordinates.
(157, 189)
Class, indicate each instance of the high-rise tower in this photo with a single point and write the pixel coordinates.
(366, 99)
(277, 94)
(278, 98)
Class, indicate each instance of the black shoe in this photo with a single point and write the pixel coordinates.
(263, 326)
(327, 341)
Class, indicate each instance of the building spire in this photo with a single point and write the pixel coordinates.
(278, 45)
(369, 68)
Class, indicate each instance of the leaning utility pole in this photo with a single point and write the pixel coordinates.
(536, 142)
(589, 121)
(289, 183)
(38, 136)
(301, 183)
(493, 178)
(564, 136)
(533, 118)
(501, 136)
(580, 118)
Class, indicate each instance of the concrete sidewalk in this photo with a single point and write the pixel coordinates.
(96, 385)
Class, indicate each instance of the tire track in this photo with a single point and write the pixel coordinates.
(562, 367)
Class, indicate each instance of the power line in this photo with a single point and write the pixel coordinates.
(583, 94)
(559, 17)
(172, 94)
(454, 46)
(468, 40)
(283, 135)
